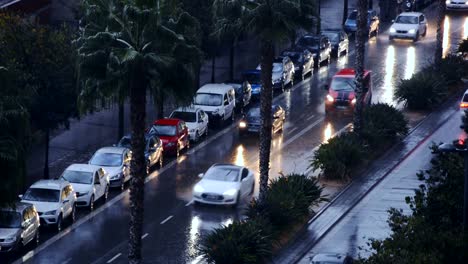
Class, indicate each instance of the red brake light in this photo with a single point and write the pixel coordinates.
(464, 105)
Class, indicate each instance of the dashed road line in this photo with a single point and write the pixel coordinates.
(144, 236)
(167, 219)
(114, 258)
(189, 203)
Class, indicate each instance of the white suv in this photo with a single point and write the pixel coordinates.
(217, 100)
(54, 200)
(195, 119)
(89, 181)
(408, 25)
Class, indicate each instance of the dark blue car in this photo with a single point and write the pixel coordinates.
(255, 80)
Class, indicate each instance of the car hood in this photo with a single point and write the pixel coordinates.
(208, 108)
(43, 206)
(114, 170)
(218, 187)
(191, 125)
(167, 139)
(406, 27)
(82, 188)
(9, 232)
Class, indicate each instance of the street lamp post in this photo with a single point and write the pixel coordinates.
(461, 147)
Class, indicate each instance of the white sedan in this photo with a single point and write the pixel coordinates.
(195, 119)
(224, 184)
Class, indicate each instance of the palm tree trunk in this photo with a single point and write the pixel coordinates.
(120, 131)
(231, 61)
(371, 4)
(266, 97)
(345, 11)
(46, 154)
(138, 168)
(359, 64)
(160, 104)
(440, 33)
(319, 20)
(213, 64)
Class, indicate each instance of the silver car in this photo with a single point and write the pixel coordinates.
(18, 226)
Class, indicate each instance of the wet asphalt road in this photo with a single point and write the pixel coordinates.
(173, 226)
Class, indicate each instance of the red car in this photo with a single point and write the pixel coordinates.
(341, 91)
(173, 134)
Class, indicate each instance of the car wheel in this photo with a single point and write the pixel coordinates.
(197, 137)
(206, 131)
(233, 117)
(416, 38)
(238, 199)
(122, 185)
(425, 32)
(59, 223)
(37, 238)
(253, 188)
(91, 203)
(106, 193)
(187, 145)
(177, 151)
(73, 214)
(161, 161)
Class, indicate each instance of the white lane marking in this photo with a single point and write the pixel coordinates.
(167, 219)
(291, 130)
(28, 255)
(66, 261)
(310, 117)
(144, 236)
(114, 258)
(197, 260)
(189, 203)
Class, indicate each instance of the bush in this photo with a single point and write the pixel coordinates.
(239, 242)
(383, 124)
(424, 90)
(339, 156)
(288, 199)
(453, 68)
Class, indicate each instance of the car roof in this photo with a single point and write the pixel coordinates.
(215, 88)
(329, 257)
(18, 207)
(167, 121)
(415, 14)
(349, 72)
(190, 108)
(50, 184)
(114, 150)
(83, 167)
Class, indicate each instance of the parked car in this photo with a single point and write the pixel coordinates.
(463, 106)
(195, 119)
(339, 41)
(373, 23)
(341, 96)
(303, 61)
(153, 149)
(218, 100)
(460, 5)
(116, 162)
(224, 184)
(331, 258)
(408, 25)
(90, 183)
(320, 47)
(19, 226)
(255, 80)
(55, 201)
(250, 123)
(282, 72)
(243, 91)
(173, 134)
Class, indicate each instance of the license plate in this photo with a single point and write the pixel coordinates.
(211, 197)
(341, 107)
(252, 130)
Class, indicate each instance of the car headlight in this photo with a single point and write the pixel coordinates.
(448, 2)
(353, 101)
(242, 124)
(50, 212)
(231, 192)
(79, 194)
(9, 239)
(411, 31)
(392, 30)
(170, 144)
(198, 189)
(330, 98)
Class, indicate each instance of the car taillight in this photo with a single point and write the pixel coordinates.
(463, 105)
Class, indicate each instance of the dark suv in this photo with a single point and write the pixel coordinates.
(153, 149)
(320, 47)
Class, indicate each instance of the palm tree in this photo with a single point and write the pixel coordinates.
(345, 11)
(271, 21)
(440, 32)
(361, 34)
(138, 43)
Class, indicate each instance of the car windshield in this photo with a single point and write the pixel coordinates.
(406, 20)
(10, 219)
(218, 173)
(334, 37)
(252, 78)
(83, 177)
(163, 130)
(189, 117)
(42, 195)
(106, 159)
(208, 99)
(342, 84)
(353, 15)
(277, 67)
(312, 43)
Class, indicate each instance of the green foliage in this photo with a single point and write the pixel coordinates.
(424, 90)
(453, 68)
(240, 242)
(432, 233)
(339, 156)
(288, 199)
(383, 124)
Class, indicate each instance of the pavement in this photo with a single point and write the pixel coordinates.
(173, 227)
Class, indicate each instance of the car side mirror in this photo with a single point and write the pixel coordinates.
(200, 175)
(20, 196)
(326, 87)
(393, 20)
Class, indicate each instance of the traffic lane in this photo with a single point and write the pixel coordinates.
(369, 218)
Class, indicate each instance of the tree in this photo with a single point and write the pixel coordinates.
(14, 137)
(361, 34)
(272, 21)
(345, 11)
(147, 51)
(440, 33)
(42, 60)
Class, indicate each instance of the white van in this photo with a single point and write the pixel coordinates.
(217, 100)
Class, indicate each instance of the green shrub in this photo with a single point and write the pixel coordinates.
(240, 242)
(287, 200)
(424, 90)
(383, 124)
(453, 68)
(339, 156)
